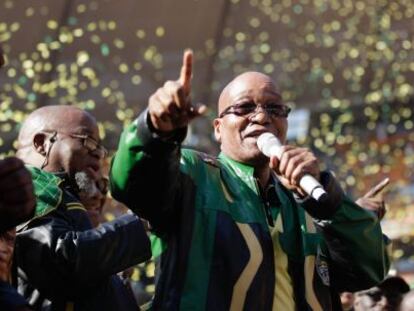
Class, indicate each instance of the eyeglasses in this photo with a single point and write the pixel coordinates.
(88, 142)
(245, 109)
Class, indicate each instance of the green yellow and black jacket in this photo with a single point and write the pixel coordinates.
(222, 237)
(65, 264)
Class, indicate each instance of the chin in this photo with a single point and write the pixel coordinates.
(256, 158)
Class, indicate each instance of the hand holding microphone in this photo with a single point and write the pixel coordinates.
(271, 146)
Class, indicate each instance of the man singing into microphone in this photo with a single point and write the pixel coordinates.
(238, 231)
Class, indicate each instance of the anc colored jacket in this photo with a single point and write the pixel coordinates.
(219, 230)
(64, 263)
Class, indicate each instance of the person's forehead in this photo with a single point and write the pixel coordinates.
(252, 86)
(81, 123)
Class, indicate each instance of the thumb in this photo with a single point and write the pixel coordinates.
(274, 164)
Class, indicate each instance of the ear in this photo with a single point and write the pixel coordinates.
(217, 129)
(40, 143)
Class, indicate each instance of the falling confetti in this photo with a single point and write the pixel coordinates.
(350, 63)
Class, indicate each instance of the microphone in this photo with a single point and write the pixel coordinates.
(270, 145)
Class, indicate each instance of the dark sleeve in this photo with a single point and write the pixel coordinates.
(145, 172)
(57, 258)
(353, 242)
(10, 298)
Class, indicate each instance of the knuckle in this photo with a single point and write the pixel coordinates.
(160, 111)
(168, 83)
(173, 86)
(284, 149)
(296, 160)
(152, 100)
(159, 91)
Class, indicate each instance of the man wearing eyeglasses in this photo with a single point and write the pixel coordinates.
(64, 263)
(238, 232)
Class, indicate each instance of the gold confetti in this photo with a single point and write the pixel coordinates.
(349, 62)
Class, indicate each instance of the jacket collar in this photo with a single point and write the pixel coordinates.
(244, 171)
(67, 182)
(48, 189)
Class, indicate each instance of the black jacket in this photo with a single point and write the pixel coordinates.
(10, 299)
(64, 263)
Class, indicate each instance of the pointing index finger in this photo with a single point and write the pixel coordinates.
(378, 188)
(186, 71)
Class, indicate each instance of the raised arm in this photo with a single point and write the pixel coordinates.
(145, 171)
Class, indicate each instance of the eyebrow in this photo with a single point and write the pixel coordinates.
(82, 130)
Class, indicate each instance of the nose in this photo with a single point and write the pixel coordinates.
(98, 153)
(260, 115)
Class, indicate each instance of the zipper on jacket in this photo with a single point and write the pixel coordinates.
(268, 213)
(266, 205)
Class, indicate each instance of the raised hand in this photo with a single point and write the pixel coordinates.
(170, 106)
(17, 200)
(373, 200)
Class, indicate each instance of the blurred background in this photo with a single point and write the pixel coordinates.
(345, 66)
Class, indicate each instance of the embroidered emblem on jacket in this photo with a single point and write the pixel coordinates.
(323, 270)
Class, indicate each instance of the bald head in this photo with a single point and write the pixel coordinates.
(48, 140)
(247, 80)
(240, 122)
(52, 118)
